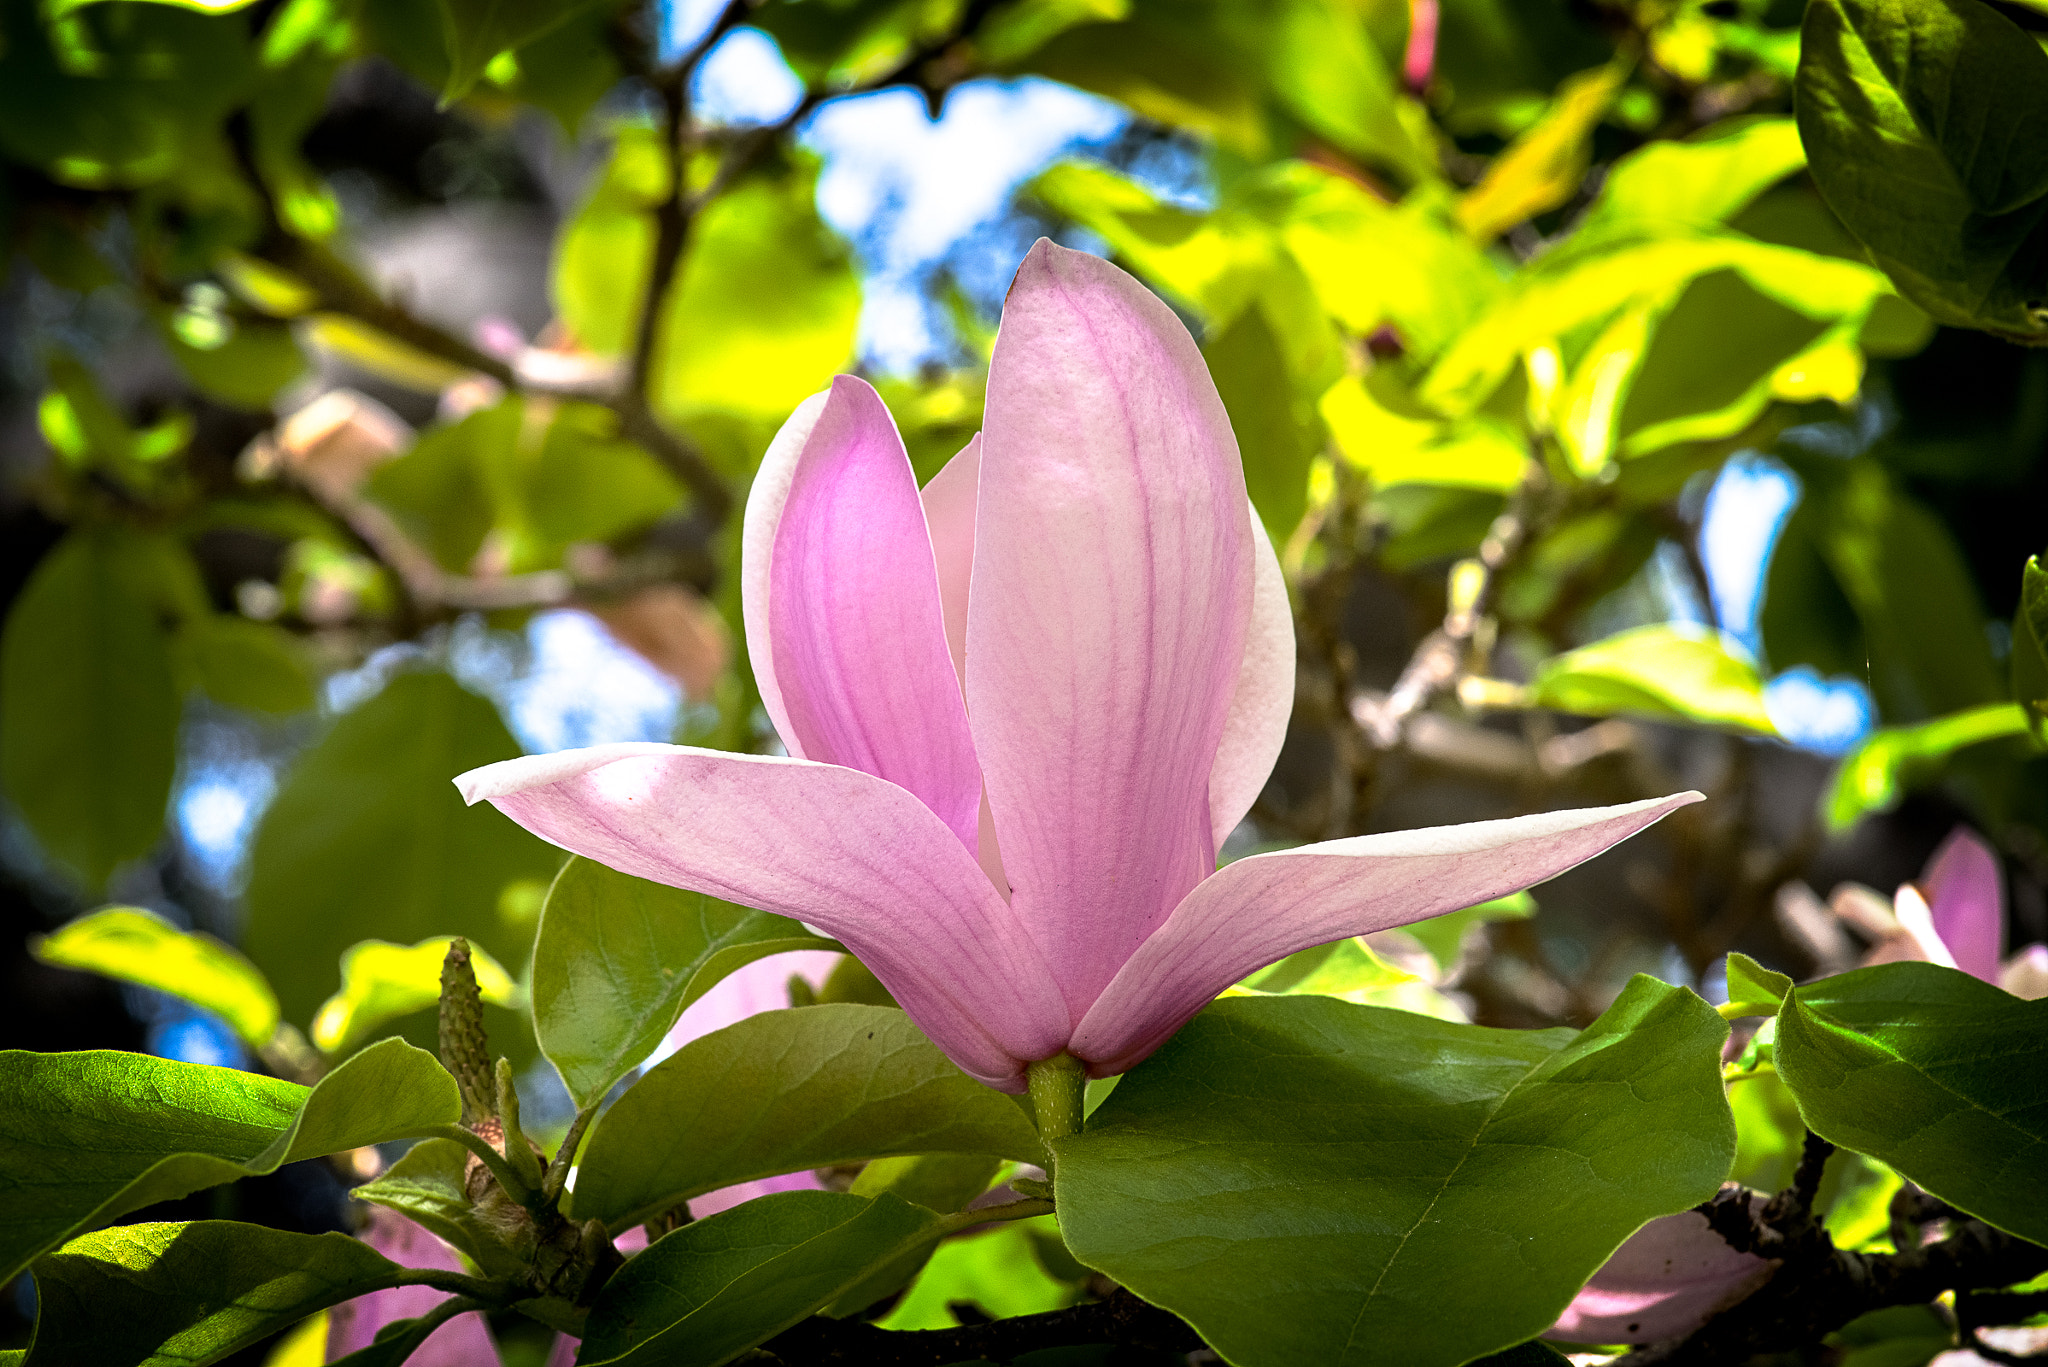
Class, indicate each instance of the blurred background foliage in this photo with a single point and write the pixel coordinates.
(380, 383)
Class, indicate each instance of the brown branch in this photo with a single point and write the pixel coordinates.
(1121, 1319)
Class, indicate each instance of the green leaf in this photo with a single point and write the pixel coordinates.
(429, 1186)
(139, 946)
(441, 491)
(1542, 168)
(88, 739)
(1444, 936)
(475, 31)
(1908, 112)
(369, 839)
(717, 1287)
(181, 1295)
(1308, 1181)
(785, 1090)
(619, 958)
(1941, 1076)
(1664, 671)
(246, 362)
(2030, 647)
(250, 665)
(90, 1136)
(601, 256)
(1872, 776)
(764, 308)
(588, 484)
(1330, 77)
(382, 981)
(944, 1182)
(1753, 990)
(1278, 431)
(1699, 181)
(997, 1271)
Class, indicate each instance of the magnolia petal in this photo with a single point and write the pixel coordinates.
(1913, 938)
(949, 498)
(844, 850)
(1263, 699)
(2025, 974)
(847, 609)
(725, 1198)
(464, 1341)
(1112, 587)
(1669, 1278)
(1265, 907)
(1966, 897)
(762, 985)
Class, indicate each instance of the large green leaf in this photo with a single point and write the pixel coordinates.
(251, 665)
(182, 1295)
(618, 958)
(90, 1136)
(717, 1287)
(1663, 671)
(1309, 1181)
(1941, 1076)
(88, 738)
(1871, 777)
(475, 31)
(786, 1090)
(139, 946)
(1911, 112)
(2030, 647)
(369, 839)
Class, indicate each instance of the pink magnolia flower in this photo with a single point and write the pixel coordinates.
(1954, 915)
(464, 1341)
(1669, 1278)
(1023, 708)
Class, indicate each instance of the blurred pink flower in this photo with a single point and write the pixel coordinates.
(1667, 1280)
(464, 1341)
(1023, 709)
(1954, 915)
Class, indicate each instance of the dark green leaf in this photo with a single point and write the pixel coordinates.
(2030, 647)
(618, 958)
(251, 665)
(1909, 111)
(719, 1286)
(368, 838)
(181, 1295)
(139, 946)
(1941, 1076)
(786, 1090)
(1309, 1181)
(429, 1186)
(944, 1182)
(88, 739)
(89, 1136)
(475, 31)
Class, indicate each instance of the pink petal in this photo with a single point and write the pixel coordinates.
(725, 1198)
(762, 985)
(2025, 974)
(1967, 897)
(464, 1341)
(949, 500)
(1112, 587)
(844, 850)
(1915, 939)
(1263, 699)
(1263, 908)
(1668, 1279)
(841, 598)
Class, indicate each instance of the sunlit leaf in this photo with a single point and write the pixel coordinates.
(619, 958)
(1754, 989)
(718, 1286)
(1663, 671)
(381, 981)
(1395, 448)
(88, 738)
(1297, 1176)
(1542, 168)
(367, 838)
(1327, 74)
(1444, 936)
(1699, 181)
(1941, 1076)
(2030, 647)
(1873, 775)
(997, 1271)
(1908, 112)
(783, 1091)
(1349, 971)
(141, 947)
(191, 1293)
(91, 1136)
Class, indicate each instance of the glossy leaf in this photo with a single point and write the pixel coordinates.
(382, 981)
(619, 958)
(90, 1136)
(429, 1186)
(1661, 671)
(369, 839)
(88, 739)
(2030, 647)
(1908, 112)
(1309, 1181)
(141, 947)
(717, 1287)
(187, 1294)
(1941, 1076)
(782, 1091)
(1872, 777)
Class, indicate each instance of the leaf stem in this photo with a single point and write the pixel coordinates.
(515, 1187)
(1025, 1209)
(557, 1175)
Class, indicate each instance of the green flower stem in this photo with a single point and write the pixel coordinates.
(1008, 1210)
(1056, 1085)
(518, 1152)
(515, 1186)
